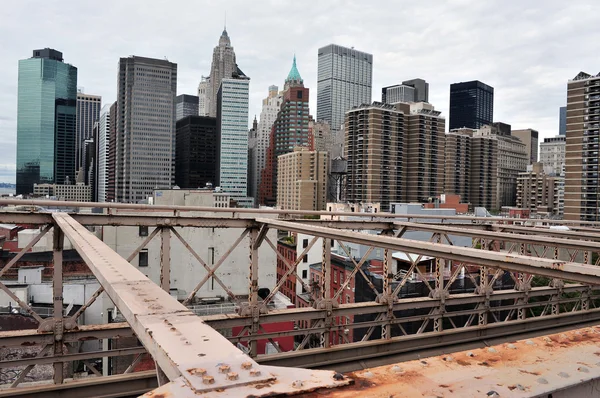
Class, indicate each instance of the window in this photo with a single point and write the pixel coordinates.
(334, 276)
(143, 231)
(143, 259)
(304, 243)
(305, 259)
(304, 273)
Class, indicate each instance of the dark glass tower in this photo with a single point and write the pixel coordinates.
(46, 120)
(471, 105)
(196, 152)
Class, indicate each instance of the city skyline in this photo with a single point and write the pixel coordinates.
(528, 93)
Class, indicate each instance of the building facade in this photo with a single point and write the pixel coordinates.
(345, 79)
(541, 192)
(398, 93)
(552, 153)
(223, 67)
(71, 193)
(145, 135)
(46, 120)
(421, 89)
(530, 138)
(103, 144)
(302, 180)
(196, 152)
(203, 91)
(582, 199)
(289, 130)
(253, 160)
(232, 141)
(471, 105)
(457, 162)
(375, 150)
(111, 157)
(186, 105)
(88, 113)
(562, 122)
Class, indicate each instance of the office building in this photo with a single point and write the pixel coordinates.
(421, 89)
(232, 140)
(103, 144)
(471, 105)
(223, 67)
(322, 136)
(530, 138)
(302, 180)
(552, 153)
(344, 80)
(290, 129)
(88, 113)
(46, 120)
(512, 160)
(79, 192)
(582, 161)
(196, 152)
(253, 159)
(562, 120)
(540, 191)
(145, 128)
(270, 108)
(397, 93)
(457, 162)
(424, 141)
(484, 172)
(111, 156)
(203, 92)
(375, 150)
(186, 105)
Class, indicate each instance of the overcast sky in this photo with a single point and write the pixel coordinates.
(526, 50)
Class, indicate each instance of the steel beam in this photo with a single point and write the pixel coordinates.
(44, 360)
(517, 263)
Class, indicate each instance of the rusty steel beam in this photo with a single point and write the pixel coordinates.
(44, 360)
(512, 262)
(187, 350)
(574, 234)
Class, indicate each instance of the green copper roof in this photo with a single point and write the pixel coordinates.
(294, 75)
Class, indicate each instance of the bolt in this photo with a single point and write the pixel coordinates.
(232, 376)
(563, 374)
(246, 365)
(224, 368)
(254, 372)
(197, 371)
(583, 369)
(470, 354)
(492, 350)
(541, 380)
(208, 380)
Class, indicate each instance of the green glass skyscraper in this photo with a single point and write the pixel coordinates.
(46, 120)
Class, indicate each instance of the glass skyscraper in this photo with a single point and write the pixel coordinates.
(345, 78)
(471, 105)
(46, 120)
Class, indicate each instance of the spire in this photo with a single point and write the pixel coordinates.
(294, 75)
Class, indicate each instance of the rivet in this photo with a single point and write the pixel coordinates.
(563, 374)
(470, 354)
(511, 346)
(224, 368)
(246, 365)
(492, 350)
(541, 380)
(208, 380)
(197, 371)
(297, 384)
(232, 376)
(254, 372)
(583, 369)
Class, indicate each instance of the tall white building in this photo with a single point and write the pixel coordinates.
(88, 113)
(232, 143)
(268, 114)
(345, 78)
(103, 141)
(203, 96)
(145, 131)
(223, 67)
(552, 153)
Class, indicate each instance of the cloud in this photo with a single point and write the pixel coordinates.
(526, 50)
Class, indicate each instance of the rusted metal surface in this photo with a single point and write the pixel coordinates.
(526, 368)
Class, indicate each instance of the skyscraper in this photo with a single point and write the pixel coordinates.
(196, 159)
(345, 77)
(289, 130)
(232, 141)
(421, 89)
(397, 93)
(562, 123)
(223, 67)
(111, 156)
(582, 187)
(145, 138)
(186, 105)
(46, 120)
(529, 137)
(471, 105)
(302, 180)
(103, 144)
(203, 91)
(88, 113)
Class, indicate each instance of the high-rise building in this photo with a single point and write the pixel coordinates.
(289, 130)
(552, 153)
(562, 122)
(145, 135)
(457, 161)
(253, 159)
(302, 180)
(103, 144)
(471, 105)
(223, 67)
(530, 138)
(196, 152)
(375, 150)
(424, 141)
(268, 114)
(582, 187)
(232, 141)
(111, 156)
(186, 105)
(397, 93)
(421, 89)
(88, 113)
(540, 191)
(46, 120)
(203, 92)
(344, 80)
(322, 136)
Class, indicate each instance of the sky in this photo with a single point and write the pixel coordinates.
(526, 50)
